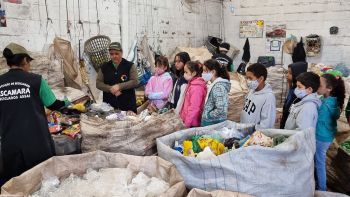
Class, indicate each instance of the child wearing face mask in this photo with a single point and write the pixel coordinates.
(216, 101)
(160, 85)
(195, 93)
(260, 103)
(333, 91)
(304, 114)
(294, 70)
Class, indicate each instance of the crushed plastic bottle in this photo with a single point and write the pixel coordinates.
(105, 182)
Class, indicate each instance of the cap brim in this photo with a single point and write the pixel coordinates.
(223, 49)
(30, 58)
(116, 49)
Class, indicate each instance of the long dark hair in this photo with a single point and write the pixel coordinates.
(184, 58)
(221, 71)
(338, 88)
(194, 66)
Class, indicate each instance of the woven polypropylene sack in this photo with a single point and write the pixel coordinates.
(285, 170)
(137, 139)
(62, 166)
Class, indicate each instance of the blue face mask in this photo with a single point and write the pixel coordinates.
(300, 93)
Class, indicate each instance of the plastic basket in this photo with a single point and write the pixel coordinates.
(97, 50)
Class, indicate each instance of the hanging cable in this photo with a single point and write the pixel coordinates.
(80, 22)
(59, 17)
(98, 19)
(68, 22)
(89, 19)
(206, 17)
(41, 24)
(48, 19)
(223, 21)
(47, 13)
(75, 25)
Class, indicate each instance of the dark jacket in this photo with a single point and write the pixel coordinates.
(224, 60)
(25, 137)
(111, 76)
(297, 68)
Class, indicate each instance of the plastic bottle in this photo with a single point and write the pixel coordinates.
(178, 147)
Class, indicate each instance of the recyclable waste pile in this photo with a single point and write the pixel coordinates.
(104, 182)
(225, 140)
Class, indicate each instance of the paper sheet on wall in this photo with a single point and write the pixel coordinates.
(251, 29)
(276, 31)
(273, 47)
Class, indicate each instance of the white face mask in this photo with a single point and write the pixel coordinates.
(207, 76)
(300, 93)
(252, 84)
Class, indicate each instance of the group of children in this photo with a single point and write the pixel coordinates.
(197, 103)
(200, 97)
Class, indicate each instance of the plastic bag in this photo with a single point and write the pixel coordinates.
(258, 138)
(72, 131)
(195, 144)
(206, 154)
(279, 139)
(188, 151)
(227, 133)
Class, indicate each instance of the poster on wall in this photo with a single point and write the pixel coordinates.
(273, 48)
(14, 1)
(251, 29)
(276, 31)
(275, 45)
(2, 16)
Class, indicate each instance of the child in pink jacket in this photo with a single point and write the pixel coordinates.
(195, 95)
(160, 85)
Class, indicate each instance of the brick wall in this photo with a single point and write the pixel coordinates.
(302, 17)
(167, 23)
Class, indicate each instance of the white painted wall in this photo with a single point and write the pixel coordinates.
(302, 17)
(171, 23)
(167, 23)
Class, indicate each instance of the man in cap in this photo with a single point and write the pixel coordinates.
(117, 79)
(222, 57)
(25, 137)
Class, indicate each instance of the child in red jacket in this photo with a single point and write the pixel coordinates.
(195, 95)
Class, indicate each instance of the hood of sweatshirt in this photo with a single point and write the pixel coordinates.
(197, 81)
(297, 68)
(332, 104)
(310, 98)
(265, 90)
(226, 83)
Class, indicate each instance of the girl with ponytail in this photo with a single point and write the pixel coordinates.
(216, 101)
(333, 91)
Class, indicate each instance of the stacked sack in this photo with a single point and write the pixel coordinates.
(133, 135)
(51, 71)
(237, 96)
(277, 79)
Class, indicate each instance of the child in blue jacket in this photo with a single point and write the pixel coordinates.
(333, 90)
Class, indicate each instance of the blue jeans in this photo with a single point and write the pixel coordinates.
(320, 165)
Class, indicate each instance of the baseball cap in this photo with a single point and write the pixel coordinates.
(18, 49)
(115, 46)
(224, 46)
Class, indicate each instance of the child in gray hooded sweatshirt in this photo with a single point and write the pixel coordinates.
(304, 114)
(260, 103)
